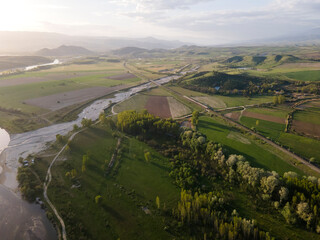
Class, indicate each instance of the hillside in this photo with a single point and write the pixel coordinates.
(135, 52)
(260, 61)
(65, 51)
(223, 83)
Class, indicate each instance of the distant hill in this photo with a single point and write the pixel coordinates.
(65, 51)
(13, 62)
(129, 51)
(260, 61)
(135, 52)
(26, 42)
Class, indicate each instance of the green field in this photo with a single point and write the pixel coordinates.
(305, 75)
(303, 146)
(266, 128)
(258, 155)
(132, 184)
(281, 112)
(230, 101)
(308, 116)
(137, 102)
(13, 96)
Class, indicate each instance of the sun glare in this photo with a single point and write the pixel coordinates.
(16, 15)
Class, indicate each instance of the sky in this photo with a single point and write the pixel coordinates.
(197, 21)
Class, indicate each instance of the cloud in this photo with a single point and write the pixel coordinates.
(151, 5)
(279, 18)
(51, 6)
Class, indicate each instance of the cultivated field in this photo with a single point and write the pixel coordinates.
(272, 125)
(157, 101)
(27, 96)
(219, 101)
(213, 102)
(177, 109)
(306, 128)
(267, 128)
(265, 117)
(235, 142)
(158, 106)
(61, 100)
(306, 120)
(305, 75)
(136, 103)
(124, 76)
(12, 62)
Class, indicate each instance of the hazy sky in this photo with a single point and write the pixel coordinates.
(198, 21)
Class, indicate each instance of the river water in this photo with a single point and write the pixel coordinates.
(55, 62)
(22, 220)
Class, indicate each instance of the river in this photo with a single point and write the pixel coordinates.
(22, 220)
(55, 62)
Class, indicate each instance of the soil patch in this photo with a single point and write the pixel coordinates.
(233, 115)
(306, 128)
(61, 100)
(158, 106)
(264, 117)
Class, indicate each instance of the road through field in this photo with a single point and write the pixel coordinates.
(238, 125)
(291, 154)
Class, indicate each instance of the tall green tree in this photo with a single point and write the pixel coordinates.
(195, 118)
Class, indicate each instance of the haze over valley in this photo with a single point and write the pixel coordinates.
(139, 119)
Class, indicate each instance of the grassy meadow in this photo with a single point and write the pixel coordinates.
(237, 143)
(131, 185)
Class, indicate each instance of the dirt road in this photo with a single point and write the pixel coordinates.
(48, 181)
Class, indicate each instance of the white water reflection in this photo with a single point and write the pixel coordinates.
(4, 139)
(55, 62)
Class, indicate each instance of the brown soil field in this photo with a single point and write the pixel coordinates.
(122, 76)
(313, 55)
(306, 128)
(264, 117)
(233, 115)
(315, 104)
(61, 100)
(158, 106)
(49, 77)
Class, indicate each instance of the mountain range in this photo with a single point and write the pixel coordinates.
(27, 42)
